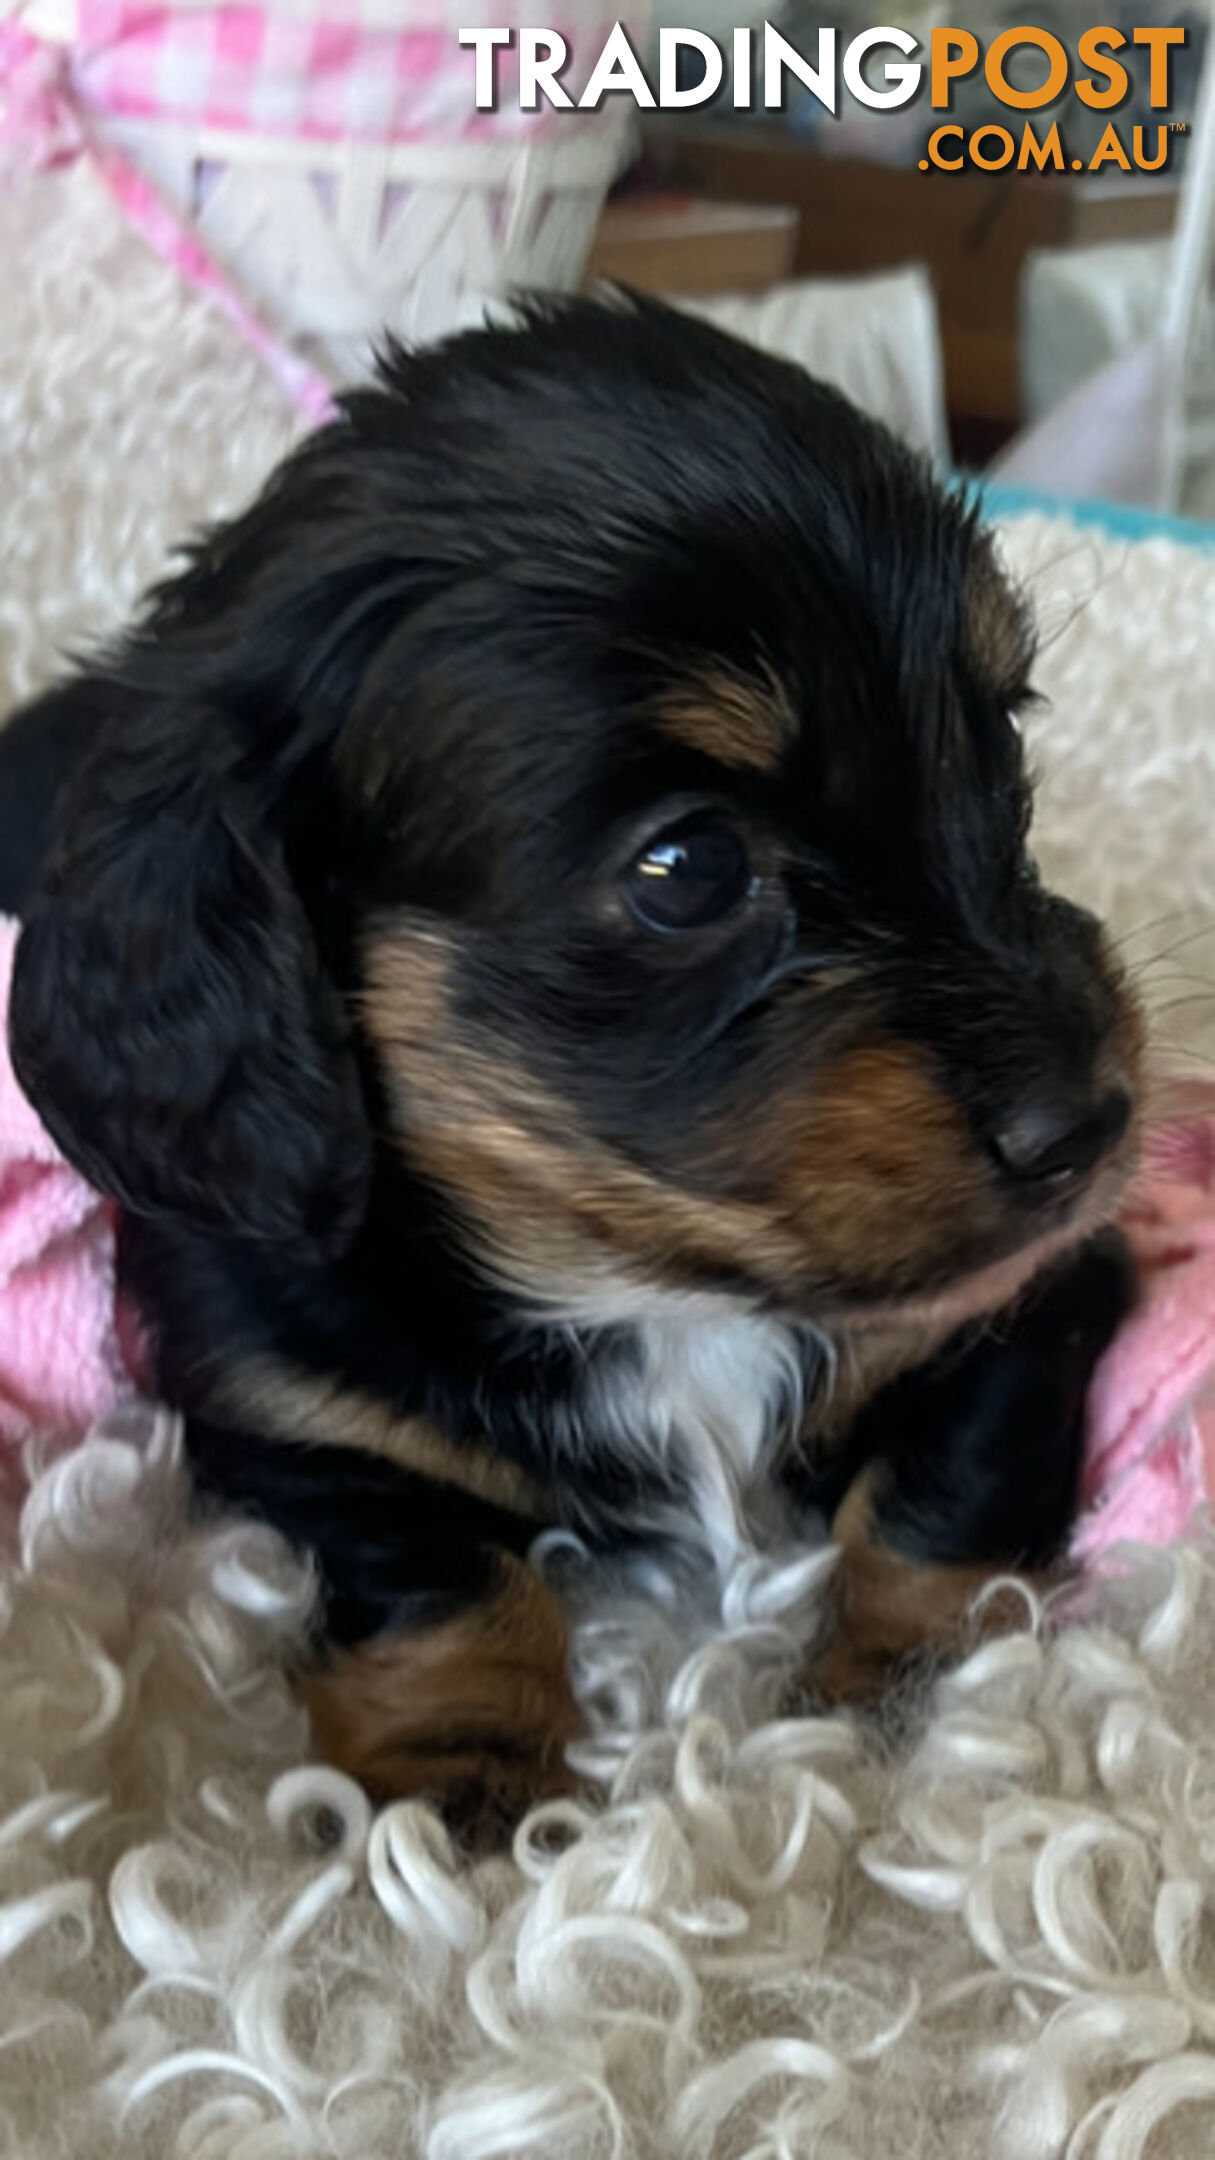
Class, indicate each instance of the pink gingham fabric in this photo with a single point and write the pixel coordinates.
(322, 71)
(319, 72)
(314, 70)
(44, 122)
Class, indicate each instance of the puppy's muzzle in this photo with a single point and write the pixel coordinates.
(1057, 1136)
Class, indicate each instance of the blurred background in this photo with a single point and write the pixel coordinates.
(317, 166)
(1050, 327)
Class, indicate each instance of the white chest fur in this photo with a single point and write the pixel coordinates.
(706, 1399)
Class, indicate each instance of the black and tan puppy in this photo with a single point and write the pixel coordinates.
(539, 940)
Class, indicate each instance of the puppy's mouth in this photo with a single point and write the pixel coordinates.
(870, 1197)
(1063, 1202)
(992, 1283)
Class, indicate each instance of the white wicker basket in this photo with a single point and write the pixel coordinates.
(332, 242)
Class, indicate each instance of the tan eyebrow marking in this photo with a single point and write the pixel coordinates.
(742, 720)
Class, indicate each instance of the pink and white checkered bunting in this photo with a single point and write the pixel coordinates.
(197, 92)
(313, 70)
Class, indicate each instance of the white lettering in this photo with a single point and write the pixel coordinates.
(617, 68)
(903, 78)
(780, 55)
(538, 69)
(486, 72)
(670, 43)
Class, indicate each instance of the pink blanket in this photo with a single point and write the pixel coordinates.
(60, 1361)
(66, 1355)
(1151, 1436)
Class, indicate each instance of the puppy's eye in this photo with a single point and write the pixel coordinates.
(690, 876)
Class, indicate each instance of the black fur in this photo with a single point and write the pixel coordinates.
(417, 681)
(396, 1551)
(978, 1452)
(42, 744)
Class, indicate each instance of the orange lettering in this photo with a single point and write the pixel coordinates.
(1008, 41)
(945, 67)
(1094, 55)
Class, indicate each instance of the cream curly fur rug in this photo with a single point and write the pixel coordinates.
(990, 1931)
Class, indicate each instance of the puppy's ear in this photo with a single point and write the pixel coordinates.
(171, 1019)
(171, 1016)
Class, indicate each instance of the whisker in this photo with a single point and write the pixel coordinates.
(1201, 1064)
(1154, 995)
(1154, 922)
(1172, 1098)
(1178, 1048)
(1194, 997)
(1057, 614)
(1168, 952)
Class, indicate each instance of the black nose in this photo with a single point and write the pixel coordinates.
(1052, 1138)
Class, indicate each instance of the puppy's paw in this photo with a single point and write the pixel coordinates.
(972, 1469)
(895, 1615)
(474, 1714)
(484, 1798)
(898, 1620)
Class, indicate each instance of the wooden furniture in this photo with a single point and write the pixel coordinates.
(681, 243)
(971, 230)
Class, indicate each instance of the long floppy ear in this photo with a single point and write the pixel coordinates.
(170, 1017)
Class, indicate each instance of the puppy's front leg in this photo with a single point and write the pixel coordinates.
(969, 1468)
(471, 1709)
(439, 1663)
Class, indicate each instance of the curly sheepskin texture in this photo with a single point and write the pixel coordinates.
(986, 1928)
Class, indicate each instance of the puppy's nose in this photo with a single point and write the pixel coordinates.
(1054, 1138)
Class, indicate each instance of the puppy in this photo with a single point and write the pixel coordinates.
(537, 936)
